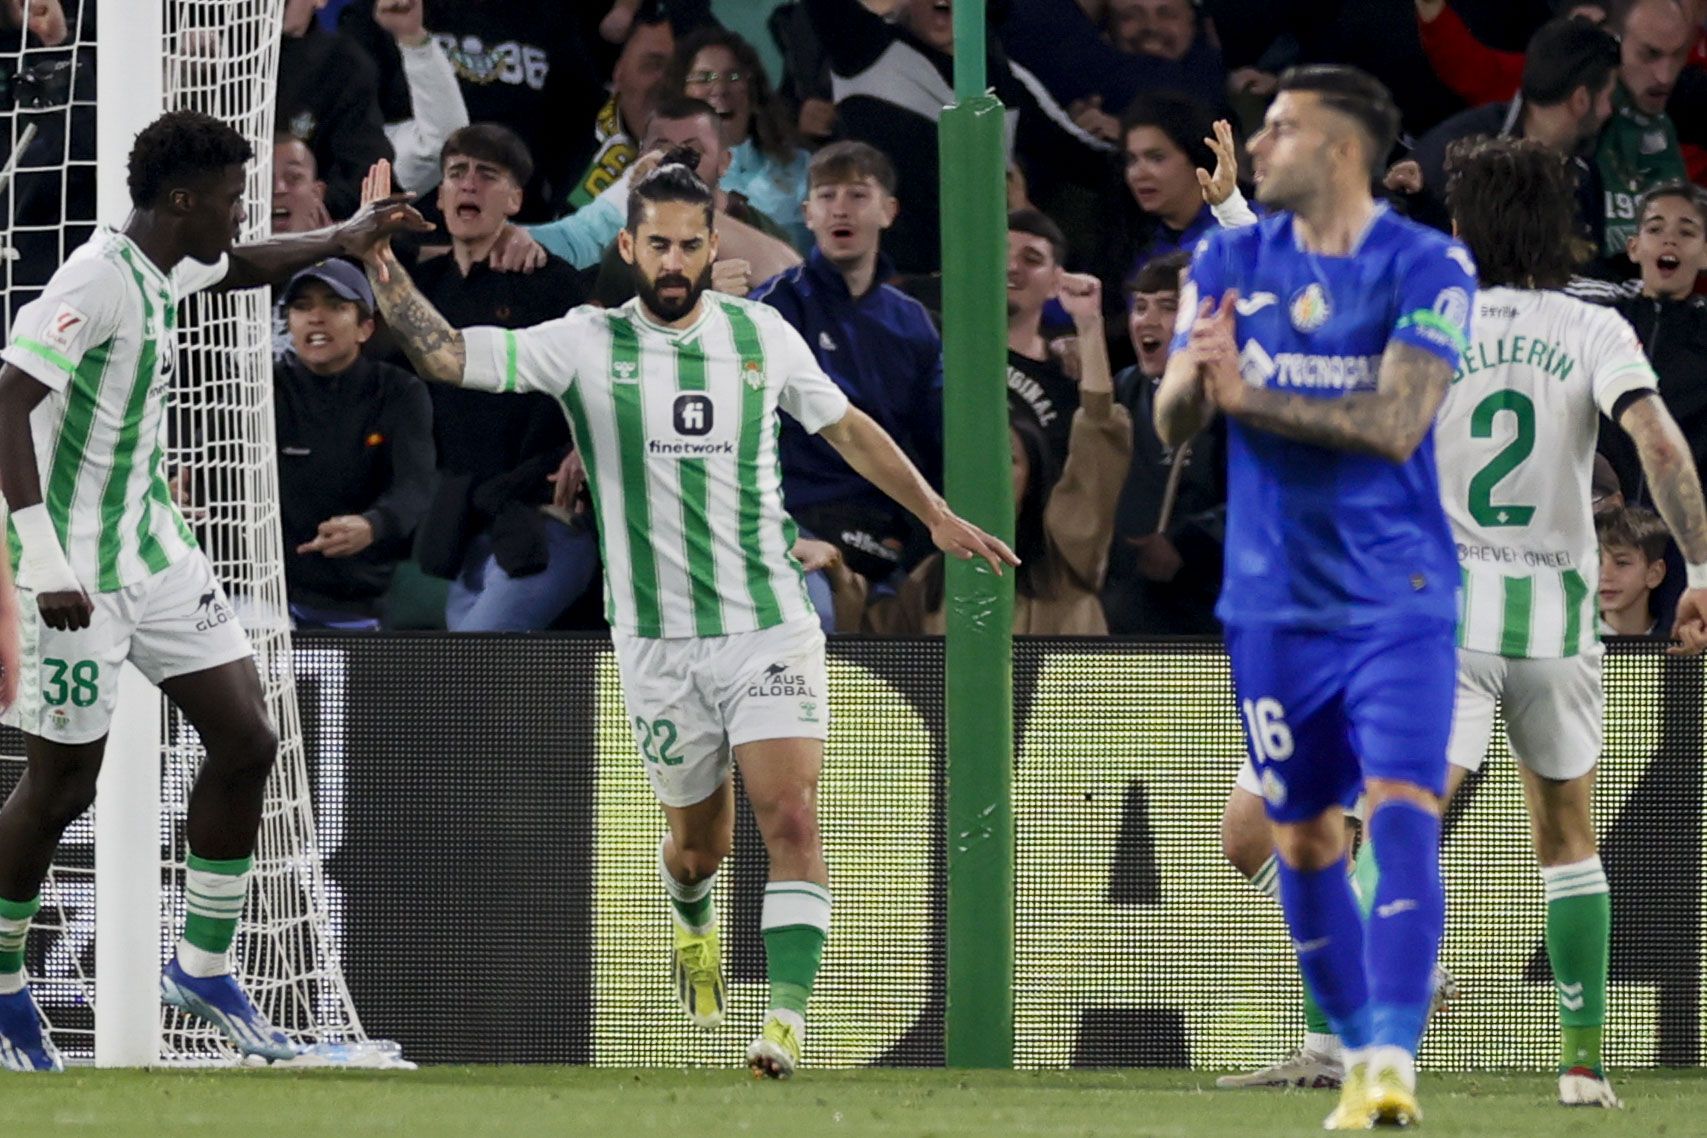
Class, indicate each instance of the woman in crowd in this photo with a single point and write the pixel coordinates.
(767, 168)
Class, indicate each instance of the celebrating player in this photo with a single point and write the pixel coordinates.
(109, 572)
(1516, 446)
(673, 400)
(1328, 335)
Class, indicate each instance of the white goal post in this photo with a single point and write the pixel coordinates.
(219, 57)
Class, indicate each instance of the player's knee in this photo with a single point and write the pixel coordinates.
(247, 750)
(1310, 846)
(67, 797)
(1246, 841)
(792, 826)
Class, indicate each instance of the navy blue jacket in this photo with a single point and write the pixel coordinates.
(884, 352)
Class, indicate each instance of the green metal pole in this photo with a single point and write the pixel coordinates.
(980, 1015)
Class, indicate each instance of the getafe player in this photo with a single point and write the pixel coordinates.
(1328, 334)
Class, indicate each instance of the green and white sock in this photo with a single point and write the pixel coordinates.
(1579, 946)
(691, 904)
(214, 892)
(14, 931)
(796, 921)
(1365, 877)
(1319, 1037)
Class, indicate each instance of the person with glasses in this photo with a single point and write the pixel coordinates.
(767, 168)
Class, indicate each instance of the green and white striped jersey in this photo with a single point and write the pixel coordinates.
(1515, 446)
(678, 431)
(102, 336)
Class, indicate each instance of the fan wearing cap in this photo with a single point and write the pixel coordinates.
(355, 448)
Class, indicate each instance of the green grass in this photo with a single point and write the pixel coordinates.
(518, 1102)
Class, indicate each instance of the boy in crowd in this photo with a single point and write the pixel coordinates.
(1632, 565)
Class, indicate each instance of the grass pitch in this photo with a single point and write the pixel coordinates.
(519, 1102)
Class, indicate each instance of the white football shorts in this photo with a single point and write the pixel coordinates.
(1553, 711)
(693, 700)
(176, 622)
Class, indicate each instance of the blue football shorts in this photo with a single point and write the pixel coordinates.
(1325, 709)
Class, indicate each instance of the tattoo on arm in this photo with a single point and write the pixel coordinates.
(426, 337)
(1671, 474)
(1389, 422)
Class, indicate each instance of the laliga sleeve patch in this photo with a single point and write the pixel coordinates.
(64, 328)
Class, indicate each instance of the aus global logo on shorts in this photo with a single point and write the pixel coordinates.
(211, 611)
(780, 680)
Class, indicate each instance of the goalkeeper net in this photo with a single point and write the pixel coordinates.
(219, 57)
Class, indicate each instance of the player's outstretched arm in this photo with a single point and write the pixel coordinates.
(1670, 471)
(271, 262)
(435, 348)
(1389, 422)
(868, 448)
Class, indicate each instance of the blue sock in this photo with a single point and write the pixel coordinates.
(1406, 922)
(1321, 911)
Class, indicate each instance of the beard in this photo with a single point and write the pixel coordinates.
(670, 311)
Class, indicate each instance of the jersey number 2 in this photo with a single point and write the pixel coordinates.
(1482, 506)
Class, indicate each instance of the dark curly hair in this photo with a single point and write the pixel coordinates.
(1514, 203)
(771, 128)
(180, 146)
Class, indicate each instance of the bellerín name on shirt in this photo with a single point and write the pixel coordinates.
(1559, 559)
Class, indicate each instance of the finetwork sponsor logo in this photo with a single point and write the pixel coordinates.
(668, 449)
(693, 413)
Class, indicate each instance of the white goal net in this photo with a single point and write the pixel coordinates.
(220, 57)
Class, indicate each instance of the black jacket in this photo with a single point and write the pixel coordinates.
(1674, 335)
(494, 451)
(1133, 603)
(328, 96)
(355, 443)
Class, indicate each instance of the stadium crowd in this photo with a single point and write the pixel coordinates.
(522, 125)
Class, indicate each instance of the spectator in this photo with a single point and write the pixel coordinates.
(1670, 252)
(877, 344)
(805, 82)
(636, 84)
(765, 168)
(1164, 142)
(744, 234)
(1569, 73)
(299, 205)
(1632, 565)
(587, 237)
(1474, 71)
(1164, 574)
(355, 448)
(513, 564)
(299, 196)
(1062, 524)
(521, 63)
(433, 95)
(1141, 46)
(1036, 250)
(1639, 149)
(328, 96)
(891, 83)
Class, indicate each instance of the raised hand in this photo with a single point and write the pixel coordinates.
(403, 19)
(368, 234)
(1081, 295)
(1690, 629)
(1219, 186)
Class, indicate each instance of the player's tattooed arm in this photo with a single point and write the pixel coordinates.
(435, 348)
(1670, 471)
(1389, 422)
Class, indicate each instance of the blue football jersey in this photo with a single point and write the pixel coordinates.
(1319, 537)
